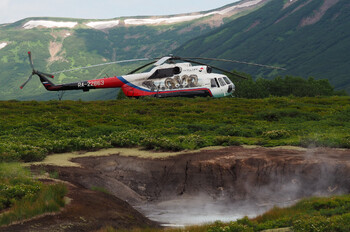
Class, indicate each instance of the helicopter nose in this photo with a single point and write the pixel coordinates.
(231, 88)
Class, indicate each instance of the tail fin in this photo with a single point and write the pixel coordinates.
(46, 82)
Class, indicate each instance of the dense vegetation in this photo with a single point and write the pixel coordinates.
(31, 130)
(283, 87)
(314, 214)
(22, 197)
(275, 35)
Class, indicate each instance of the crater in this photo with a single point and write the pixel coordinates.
(221, 184)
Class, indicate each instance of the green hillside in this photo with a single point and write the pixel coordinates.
(56, 49)
(308, 37)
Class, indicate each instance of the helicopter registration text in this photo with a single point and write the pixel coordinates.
(91, 83)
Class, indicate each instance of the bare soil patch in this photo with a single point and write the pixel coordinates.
(318, 14)
(87, 211)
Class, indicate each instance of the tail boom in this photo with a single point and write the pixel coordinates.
(110, 82)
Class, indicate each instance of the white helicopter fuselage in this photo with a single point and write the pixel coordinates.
(166, 79)
(181, 79)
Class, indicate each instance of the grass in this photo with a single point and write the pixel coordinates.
(311, 215)
(50, 199)
(29, 131)
(23, 197)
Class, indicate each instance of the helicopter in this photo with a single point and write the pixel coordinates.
(167, 78)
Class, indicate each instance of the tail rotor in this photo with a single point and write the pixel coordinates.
(31, 60)
(34, 72)
(30, 77)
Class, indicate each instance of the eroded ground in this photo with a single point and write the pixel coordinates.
(222, 183)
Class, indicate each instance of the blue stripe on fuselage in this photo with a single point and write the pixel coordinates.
(132, 85)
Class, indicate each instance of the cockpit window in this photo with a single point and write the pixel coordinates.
(221, 81)
(227, 80)
(213, 83)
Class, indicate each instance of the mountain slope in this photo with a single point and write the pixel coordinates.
(308, 37)
(65, 43)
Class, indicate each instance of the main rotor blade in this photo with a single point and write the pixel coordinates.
(31, 60)
(98, 65)
(220, 69)
(143, 66)
(163, 60)
(30, 77)
(236, 61)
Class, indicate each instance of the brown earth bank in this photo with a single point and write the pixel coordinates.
(192, 188)
(235, 172)
(87, 211)
(223, 184)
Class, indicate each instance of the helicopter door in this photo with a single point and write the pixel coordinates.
(216, 90)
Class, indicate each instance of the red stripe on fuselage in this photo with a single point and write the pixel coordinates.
(110, 82)
(131, 91)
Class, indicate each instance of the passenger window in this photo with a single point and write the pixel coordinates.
(213, 83)
(227, 80)
(222, 82)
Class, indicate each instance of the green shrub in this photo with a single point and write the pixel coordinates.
(280, 114)
(276, 134)
(88, 144)
(18, 151)
(284, 86)
(161, 144)
(49, 199)
(274, 224)
(130, 138)
(340, 223)
(33, 154)
(343, 115)
(231, 227)
(15, 184)
(100, 130)
(312, 224)
(325, 141)
(57, 146)
(192, 141)
(226, 141)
